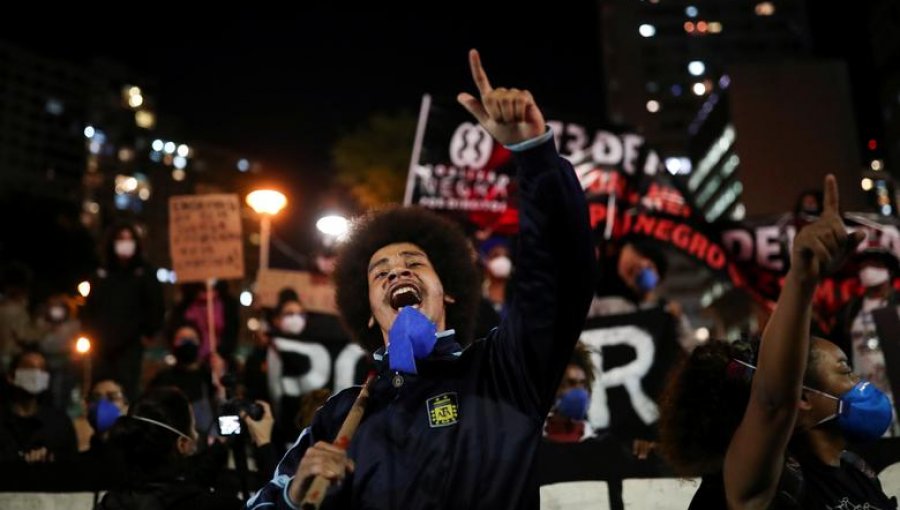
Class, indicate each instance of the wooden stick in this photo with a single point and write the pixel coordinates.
(210, 316)
(216, 369)
(315, 494)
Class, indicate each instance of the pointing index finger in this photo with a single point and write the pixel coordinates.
(478, 74)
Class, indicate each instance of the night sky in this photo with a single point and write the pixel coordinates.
(284, 85)
(281, 85)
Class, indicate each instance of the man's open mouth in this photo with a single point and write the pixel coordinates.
(405, 295)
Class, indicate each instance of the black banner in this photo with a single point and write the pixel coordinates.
(322, 356)
(632, 355)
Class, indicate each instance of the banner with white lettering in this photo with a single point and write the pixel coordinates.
(632, 355)
(462, 171)
(322, 356)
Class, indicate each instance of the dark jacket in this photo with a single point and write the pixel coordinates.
(49, 428)
(464, 432)
(124, 305)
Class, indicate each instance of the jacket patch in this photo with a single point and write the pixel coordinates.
(443, 410)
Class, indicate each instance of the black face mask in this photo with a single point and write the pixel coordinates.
(186, 353)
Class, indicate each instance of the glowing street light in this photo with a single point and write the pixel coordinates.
(83, 345)
(266, 203)
(333, 225)
(84, 288)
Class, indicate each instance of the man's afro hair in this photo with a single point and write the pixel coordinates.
(443, 242)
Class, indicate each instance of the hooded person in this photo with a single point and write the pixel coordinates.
(124, 309)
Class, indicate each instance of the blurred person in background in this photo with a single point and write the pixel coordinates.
(58, 327)
(15, 318)
(106, 402)
(640, 268)
(289, 322)
(631, 283)
(226, 317)
(855, 330)
(567, 421)
(191, 375)
(30, 430)
(497, 260)
(124, 309)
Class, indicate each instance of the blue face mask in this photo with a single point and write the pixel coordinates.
(573, 404)
(102, 414)
(646, 280)
(411, 337)
(864, 413)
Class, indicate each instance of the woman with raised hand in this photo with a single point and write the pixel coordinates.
(768, 427)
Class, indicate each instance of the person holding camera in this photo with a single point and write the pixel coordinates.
(259, 422)
(156, 441)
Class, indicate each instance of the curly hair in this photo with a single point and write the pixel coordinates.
(442, 241)
(702, 405)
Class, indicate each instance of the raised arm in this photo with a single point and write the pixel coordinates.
(756, 454)
(555, 259)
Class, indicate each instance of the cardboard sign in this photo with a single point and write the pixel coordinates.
(205, 237)
(317, 294)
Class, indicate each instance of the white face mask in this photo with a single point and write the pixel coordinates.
(125, 248)
(500, 267)
(57, 313)
(32, 380)
(873, 276)
(294, 323)
(326, 265)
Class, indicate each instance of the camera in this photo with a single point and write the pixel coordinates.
(230, 415)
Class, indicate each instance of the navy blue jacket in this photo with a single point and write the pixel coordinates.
(464, 432)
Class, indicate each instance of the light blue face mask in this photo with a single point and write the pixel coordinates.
(864, 413)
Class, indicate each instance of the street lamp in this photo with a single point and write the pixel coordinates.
(266, 203)
(84, 288)
(333, 226)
